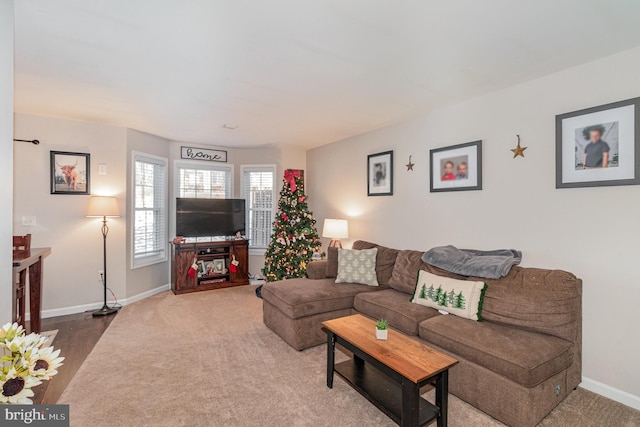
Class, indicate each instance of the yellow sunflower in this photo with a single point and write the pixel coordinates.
(44, 363)
(17, 389)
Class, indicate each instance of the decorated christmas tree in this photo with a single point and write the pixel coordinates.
(294, 237)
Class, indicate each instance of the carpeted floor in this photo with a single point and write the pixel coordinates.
(206, 359)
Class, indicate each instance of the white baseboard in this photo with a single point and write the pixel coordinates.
(146, 294)
(611, 392)
(94, 306)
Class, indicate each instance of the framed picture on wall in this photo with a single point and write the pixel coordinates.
(70, 172)
(380, 174)
(599, 146)
(456, 168)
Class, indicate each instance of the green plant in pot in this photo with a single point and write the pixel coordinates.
(382, 329)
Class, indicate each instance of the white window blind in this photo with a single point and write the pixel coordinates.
(258, 191)
(149, 209)
(204, 182)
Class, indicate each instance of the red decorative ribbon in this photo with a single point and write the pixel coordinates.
(290, 176)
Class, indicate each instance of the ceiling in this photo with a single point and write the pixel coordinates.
(293, 72)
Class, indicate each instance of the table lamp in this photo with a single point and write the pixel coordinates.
(101, 206)
(335, 229)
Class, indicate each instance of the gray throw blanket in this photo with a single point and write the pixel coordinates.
(470, 262)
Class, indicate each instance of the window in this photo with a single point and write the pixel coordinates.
(258, 191)
(149, 210)
(204, 182)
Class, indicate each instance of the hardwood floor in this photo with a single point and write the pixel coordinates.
(77, 335)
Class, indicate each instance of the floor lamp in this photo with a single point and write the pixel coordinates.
(100, 206)
(335, 229)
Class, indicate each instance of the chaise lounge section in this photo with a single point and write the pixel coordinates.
(516, 365)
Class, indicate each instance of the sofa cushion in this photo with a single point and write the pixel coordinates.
(332, 262)
(405, 271)
(317, 270)
(357, 266)
(458, 297)
(303, 297)
(395, 307)
(527, 358)
(385, 261)
(547, 301)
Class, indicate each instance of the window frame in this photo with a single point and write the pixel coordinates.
(163, 256)
(195, 164)
(259, 168)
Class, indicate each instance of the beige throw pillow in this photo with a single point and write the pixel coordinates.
(357, 266)
(462, 298)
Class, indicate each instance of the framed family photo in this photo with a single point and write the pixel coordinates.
(456, 168)
(599, 146)
(69, 172)
(380, 174)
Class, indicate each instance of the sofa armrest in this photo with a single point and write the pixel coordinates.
(317, 270)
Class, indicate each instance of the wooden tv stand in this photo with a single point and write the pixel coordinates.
(208, 254)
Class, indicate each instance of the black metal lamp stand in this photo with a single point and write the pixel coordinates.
(105, 310)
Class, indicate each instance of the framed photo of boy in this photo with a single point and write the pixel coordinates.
(599, 146)
(69, 172)
(456, 168)
(380, 174)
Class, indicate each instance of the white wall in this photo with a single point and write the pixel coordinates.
(71, 271)
(592, 232)
(6, 162)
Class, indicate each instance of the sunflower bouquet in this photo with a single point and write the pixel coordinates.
(25, 363)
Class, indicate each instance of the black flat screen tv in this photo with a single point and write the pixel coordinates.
(209, 217)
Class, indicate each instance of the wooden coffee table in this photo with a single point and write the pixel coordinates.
(390, 373)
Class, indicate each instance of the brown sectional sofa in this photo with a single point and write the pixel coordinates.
(516, 365)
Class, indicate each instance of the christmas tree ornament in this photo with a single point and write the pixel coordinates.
(518, 151)
(294, 237)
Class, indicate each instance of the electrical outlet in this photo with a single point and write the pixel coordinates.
(100, 276)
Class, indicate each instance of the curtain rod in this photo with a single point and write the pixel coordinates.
(33, 141)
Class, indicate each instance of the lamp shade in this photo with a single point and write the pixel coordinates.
(335, 229)
(103, 206)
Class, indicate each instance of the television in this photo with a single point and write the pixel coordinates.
(209, 217)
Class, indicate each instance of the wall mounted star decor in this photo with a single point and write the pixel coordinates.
(410, 165)
(518, 151)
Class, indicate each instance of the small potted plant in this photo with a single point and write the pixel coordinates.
(382, 328)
